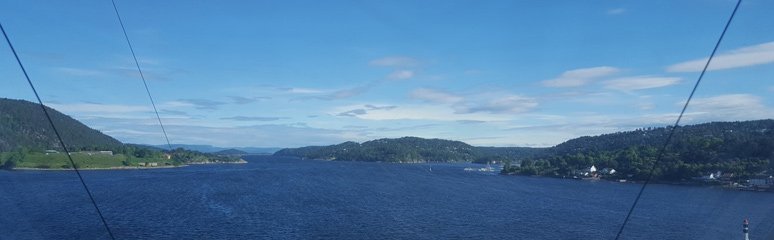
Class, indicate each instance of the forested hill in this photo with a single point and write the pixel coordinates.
(23, 124)
(743, 138)
(409, 149)
(744, 148)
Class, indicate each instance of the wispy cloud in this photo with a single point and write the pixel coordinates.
(616, 11)
(246, 100)
(251, 119)
(412, 112)
(172, 112)
(726, 102)
(741, 57)
(640, 82)
(80, 72)
(352, 113)
(401, 75)
(270, 135)
(345, 93)
(395, 61)
(204, 104)
(373, 107)
(728, 107)
(435, 96)
(99, 108)
(580, 77)
(302, 90)
(470, 121)
(507, 104)
(364, 110)
(495, 103)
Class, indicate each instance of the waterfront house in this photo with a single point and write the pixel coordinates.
(607, 171)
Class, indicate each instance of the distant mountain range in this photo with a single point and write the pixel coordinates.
(23, 124)
(230, 152)
(213, 149)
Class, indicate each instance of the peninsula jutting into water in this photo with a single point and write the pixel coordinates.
(27, 142)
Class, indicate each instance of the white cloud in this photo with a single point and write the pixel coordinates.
(728, 107)
(580, 77)
(401, 74)
(304, 90)
(726, 102)
(80, 72)
(616, 11)
(435, 96)
(176, 104)
(640, 82)
(99, 108)
(507, 104)
(395, 62)
(494, 103)
(415, 112)
(741, 57)
(346, 93)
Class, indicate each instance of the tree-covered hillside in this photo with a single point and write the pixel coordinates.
(742, 148)
(23, 124)
(408, 149)
(26, 134)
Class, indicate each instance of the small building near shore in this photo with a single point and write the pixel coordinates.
(607, 171)
(762, 182)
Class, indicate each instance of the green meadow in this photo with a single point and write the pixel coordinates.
(82, 160)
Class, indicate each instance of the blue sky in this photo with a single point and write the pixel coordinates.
(296, 73)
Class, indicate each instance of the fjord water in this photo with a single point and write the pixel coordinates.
(284, 198)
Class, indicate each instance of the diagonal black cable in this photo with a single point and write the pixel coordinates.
(59, 137)
(136, 63)
(677, 122)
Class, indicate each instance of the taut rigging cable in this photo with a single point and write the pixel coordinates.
(59, 137)
(145, 83)
(677, 122)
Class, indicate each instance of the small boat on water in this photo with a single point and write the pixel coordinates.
(488, 168)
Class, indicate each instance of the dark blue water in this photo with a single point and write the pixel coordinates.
(295, 199)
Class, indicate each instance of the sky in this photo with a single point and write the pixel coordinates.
(296, 73)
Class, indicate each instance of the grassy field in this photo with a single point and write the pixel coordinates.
(82, 160)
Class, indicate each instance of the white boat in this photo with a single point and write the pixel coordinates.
(488, 168)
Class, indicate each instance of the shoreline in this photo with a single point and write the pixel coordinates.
(241, 161)
(101, 168)
(660, 182)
